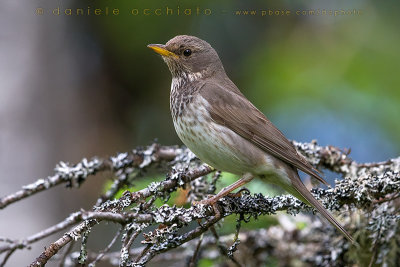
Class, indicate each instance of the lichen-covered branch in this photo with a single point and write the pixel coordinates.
(75, 175)
(367, 189)
(276, 241)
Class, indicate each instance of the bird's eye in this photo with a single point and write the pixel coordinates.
(187, 52)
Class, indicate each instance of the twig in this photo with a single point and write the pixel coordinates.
(69, 221)
(7, 256)
(102, 253)
(170, 244)
(67, 251)
(222, 248)
(194, 259)
(76, 174)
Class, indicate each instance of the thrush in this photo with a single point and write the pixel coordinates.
(225, 130)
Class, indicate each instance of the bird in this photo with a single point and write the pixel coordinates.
(225, 130)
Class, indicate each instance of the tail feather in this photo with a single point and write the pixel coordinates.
(309, 199)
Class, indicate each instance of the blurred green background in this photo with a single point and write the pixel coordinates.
(78, 86)
(328, 78)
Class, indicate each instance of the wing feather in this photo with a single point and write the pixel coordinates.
(232, 109)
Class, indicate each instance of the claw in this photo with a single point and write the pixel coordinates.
(239, 193)
(212, 201)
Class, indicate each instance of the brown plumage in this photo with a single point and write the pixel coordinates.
(224, 129)
(232, 109)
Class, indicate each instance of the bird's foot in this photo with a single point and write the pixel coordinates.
(209, 202)
(212, 201)
(239, 193)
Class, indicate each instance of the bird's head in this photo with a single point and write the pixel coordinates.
(188, 55)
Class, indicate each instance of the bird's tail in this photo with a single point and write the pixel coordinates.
(304, 195)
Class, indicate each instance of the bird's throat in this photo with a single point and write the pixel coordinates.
(184, 88)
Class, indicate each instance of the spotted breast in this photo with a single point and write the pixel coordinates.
(211, 142)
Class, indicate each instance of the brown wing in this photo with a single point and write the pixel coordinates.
(232, 109)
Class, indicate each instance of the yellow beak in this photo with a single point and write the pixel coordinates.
(160, 49)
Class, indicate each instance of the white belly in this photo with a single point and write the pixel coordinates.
(218, 146)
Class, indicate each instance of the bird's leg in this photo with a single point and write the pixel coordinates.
(247, 177)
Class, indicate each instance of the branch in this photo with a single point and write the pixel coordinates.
(246, 204)
(92, 219)
(366, 186)
(257, 243)
(77, 174)
(140, 158)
